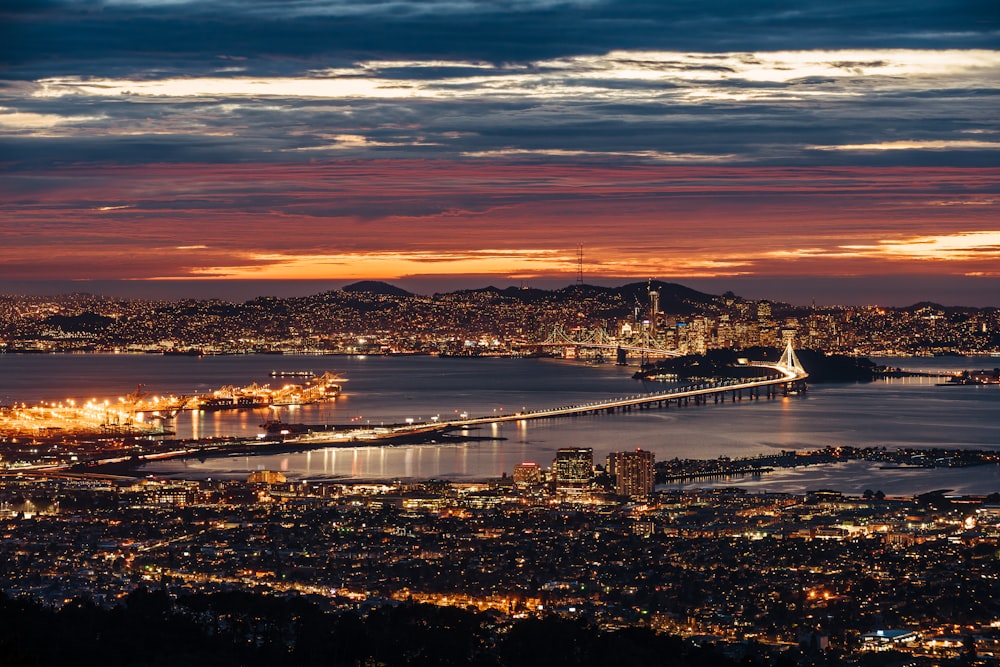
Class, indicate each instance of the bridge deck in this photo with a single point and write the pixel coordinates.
(783, 376)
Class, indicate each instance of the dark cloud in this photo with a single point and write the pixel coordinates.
(71, 37)
(401, 126)
(752, 131)
(34, 152)
(516, 80)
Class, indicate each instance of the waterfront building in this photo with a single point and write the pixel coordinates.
(573, 468)
(633, 472)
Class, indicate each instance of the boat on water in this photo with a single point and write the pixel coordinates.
(296, 374)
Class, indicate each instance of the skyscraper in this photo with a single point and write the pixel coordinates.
(633, 471)
(574, 469)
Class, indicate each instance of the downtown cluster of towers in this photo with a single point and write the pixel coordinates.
(573, 472)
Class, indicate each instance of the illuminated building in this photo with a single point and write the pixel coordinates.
(266, 477)
(574, 469)
(174, 495)
(883, 640)
(633, 472)
(527, 474)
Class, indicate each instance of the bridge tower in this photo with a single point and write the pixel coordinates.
(789, 360)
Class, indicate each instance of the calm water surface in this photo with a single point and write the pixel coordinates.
(907, 412)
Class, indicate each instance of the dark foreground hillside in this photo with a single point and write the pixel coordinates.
(244, 629)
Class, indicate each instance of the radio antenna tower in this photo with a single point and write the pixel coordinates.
(579, 264)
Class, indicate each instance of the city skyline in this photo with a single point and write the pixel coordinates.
(795, 152)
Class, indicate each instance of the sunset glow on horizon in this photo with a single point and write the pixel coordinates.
(173, 143)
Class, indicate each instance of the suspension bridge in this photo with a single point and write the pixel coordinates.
(784, 377)
(599, 339)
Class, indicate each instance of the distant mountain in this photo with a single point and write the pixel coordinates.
(949, 310)
(523, 294)
(674, 298)
(924, 304)
(375, 287)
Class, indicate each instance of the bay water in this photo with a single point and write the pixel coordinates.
(907, 412)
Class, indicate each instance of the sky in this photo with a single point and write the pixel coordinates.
(842, 152)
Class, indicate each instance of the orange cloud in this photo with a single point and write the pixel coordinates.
(388, 218)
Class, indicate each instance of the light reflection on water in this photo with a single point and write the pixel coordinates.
(907, 412)
(854, 477)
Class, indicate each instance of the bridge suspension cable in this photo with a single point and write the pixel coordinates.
(789, 360)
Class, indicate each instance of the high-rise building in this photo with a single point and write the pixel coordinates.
(527, 474)
(633, 472)
(266, 477)
(654, 308)
(573, 469)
